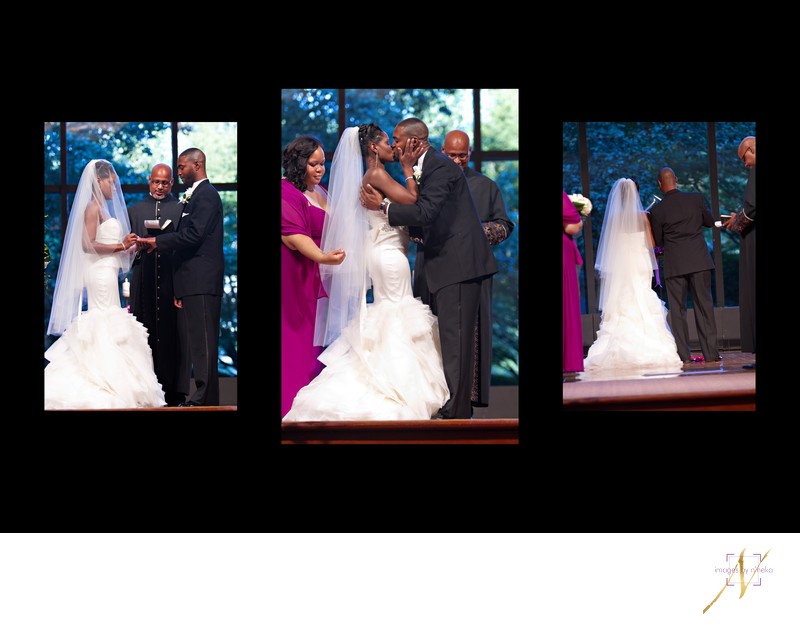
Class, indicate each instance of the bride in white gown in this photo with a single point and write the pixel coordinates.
(102, 359)
(634, 333)
(383, 360)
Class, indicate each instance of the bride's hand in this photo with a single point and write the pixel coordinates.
(412, 152)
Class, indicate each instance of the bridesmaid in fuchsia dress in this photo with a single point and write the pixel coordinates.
(573, 335)
(303, 204)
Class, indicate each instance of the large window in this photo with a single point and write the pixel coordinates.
(639, 150)
(489, 117)
(133, 148)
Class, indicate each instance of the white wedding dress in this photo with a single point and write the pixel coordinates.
(103, 359)
(634, 333)
(386, 364)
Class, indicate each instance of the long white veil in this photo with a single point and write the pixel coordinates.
(623, 236)
(80, 250)
(346, 227)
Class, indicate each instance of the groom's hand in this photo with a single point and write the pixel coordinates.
(370, 198)
(148, 243)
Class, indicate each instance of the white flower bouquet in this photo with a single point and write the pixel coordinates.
(582, 203)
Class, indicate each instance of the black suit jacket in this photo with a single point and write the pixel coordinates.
(198, 258)
(456, 248)
(678, 222)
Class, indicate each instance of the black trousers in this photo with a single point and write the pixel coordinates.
(700, 285)
(202, 325)
(482, 378)
(456, 306)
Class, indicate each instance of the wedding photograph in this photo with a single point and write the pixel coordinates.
(399, 266)
(140, 266)
(659, 258)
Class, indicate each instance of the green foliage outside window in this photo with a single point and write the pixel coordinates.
(640, 150)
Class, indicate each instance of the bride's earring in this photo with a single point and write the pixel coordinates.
(376, 159)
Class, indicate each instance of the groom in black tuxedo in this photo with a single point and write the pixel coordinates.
(198, 267)
(678, 222)
(457, 255)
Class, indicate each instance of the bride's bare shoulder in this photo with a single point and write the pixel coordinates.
(370, 176)
(376, 178)
(92, 210)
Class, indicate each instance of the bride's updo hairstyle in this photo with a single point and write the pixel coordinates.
(103, 169)
(367, 133)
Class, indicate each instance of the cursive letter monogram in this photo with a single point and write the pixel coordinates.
(741, 578)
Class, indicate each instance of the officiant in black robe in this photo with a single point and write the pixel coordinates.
(498, 227)
(152, 292)
(744, 222)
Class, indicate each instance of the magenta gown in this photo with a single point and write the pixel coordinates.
(300, 288)
(571, 315)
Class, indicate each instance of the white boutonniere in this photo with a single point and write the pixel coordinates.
(417, 172)
(185, 197)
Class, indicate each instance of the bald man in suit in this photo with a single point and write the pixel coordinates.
(678, 222)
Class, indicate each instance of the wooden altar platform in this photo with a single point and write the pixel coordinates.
(452, 432)
(715, 386)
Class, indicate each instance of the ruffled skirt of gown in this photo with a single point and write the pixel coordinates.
(102, 361)
(386, 367)
(634, 333)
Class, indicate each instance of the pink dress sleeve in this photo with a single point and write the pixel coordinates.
(570, 215)
(294, 211)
